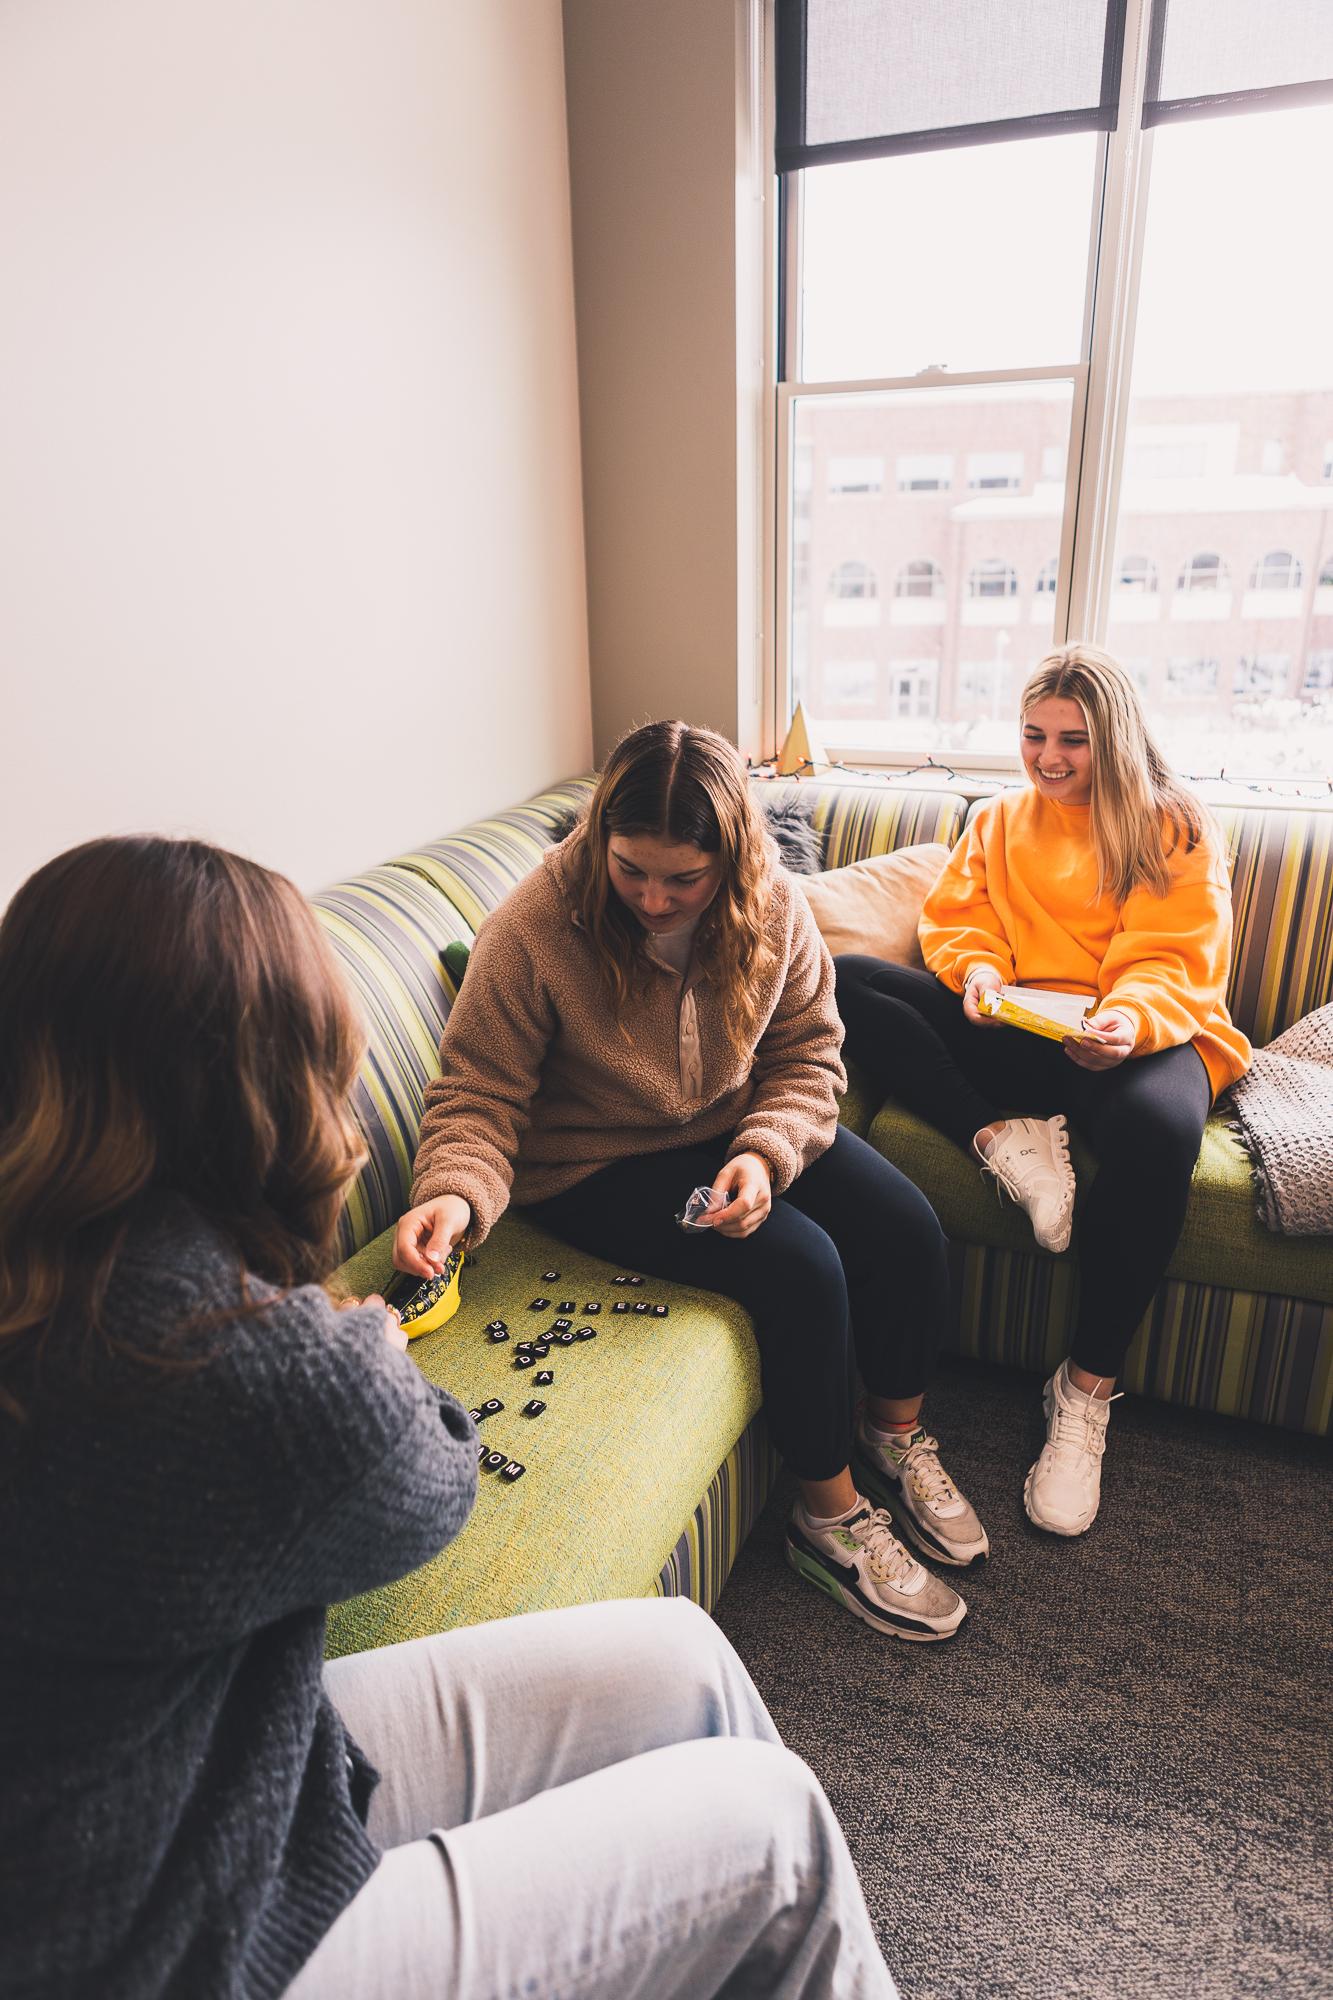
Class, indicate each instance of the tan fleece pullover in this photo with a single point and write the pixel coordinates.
(538, 1087)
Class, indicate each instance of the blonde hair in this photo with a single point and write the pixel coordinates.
(687, 786)
(1141, 812)
(171, 1019)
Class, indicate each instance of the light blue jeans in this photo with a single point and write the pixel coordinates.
(589, 1804)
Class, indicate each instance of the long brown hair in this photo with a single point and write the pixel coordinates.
(687, 786)
(1141, 811)
(170, 1019)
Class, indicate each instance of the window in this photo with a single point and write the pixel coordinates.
(1262, 674)
(1318, 674)
(995, 471)
(1202, 572)
(848, 684)
(926, 472)
(912, 687)
(1278, 570)
(996, 371)
(1137, 574)
(853, 580)
(992, 578)
(856, 475)
(919, 579)
(1185, 677)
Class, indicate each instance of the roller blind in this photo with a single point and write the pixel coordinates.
(859, 79)
(1213, 56)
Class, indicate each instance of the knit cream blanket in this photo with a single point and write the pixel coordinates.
(1282, 1109)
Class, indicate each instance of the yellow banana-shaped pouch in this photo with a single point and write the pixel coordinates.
(434, 1302)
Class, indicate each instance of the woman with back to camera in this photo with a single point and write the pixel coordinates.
(1101, 876)
(652, 1010)
(198, 1453)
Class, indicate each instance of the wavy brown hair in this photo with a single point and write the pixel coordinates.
(689, 787)
(1141, 812)
(171, 1019)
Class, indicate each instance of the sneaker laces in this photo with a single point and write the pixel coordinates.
(886, 1558)
(1082, 1430)
(930, 1482)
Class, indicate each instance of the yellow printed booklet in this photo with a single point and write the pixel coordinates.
(1040, 1012)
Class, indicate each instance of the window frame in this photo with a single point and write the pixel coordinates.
(1099, 375)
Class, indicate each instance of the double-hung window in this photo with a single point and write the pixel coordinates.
(1054, 364)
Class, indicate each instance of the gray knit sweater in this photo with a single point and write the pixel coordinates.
(181, 1810)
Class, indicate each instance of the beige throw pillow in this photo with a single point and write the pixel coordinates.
(875, 905)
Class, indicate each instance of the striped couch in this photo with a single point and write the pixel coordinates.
(651, 1461)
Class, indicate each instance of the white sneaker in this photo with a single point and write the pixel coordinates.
(1030, 1161)
(1064, 1488)
(862, 1565)
(907, 1478)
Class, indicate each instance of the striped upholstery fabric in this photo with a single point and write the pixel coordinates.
(478, 867)
(386, 928)
(855, 821)
(701, 1561)
(1282, 902)
(1243, 1354)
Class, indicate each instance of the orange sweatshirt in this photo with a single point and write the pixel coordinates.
(1019, 893)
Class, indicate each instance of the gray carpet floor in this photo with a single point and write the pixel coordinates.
(1117, 1779)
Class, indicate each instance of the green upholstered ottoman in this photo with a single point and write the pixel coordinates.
(638, 1424)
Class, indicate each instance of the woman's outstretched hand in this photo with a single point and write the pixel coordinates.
(748, 1178)
(425, 1235)
(1111, 1038)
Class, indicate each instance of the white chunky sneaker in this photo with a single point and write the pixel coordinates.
(907, 1477)
(1064, 1488)
(1030, 1161)
(862, 1565)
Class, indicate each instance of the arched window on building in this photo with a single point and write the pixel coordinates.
(1278, 570)
(993, 578)
(919, 579)
(1203, 572)
(1136, 573)
(853, 580)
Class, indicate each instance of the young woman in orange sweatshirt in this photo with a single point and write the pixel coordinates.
(1100, 876)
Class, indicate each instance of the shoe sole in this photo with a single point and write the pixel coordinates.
(887, 1493)
(914, 1630)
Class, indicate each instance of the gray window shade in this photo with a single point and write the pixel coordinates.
(858, 79)
(1211, 56)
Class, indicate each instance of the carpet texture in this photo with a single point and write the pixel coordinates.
(1118, 1778)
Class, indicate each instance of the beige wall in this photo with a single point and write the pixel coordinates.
(290, 539)
(666, 220)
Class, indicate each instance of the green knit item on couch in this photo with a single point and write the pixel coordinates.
(636, 1424)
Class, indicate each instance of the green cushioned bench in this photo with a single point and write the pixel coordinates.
(636, 1426)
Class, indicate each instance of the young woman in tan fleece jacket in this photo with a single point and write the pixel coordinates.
(652, 1010)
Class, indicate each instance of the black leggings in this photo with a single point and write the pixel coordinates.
(850, 1265)
(1144, 1120)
